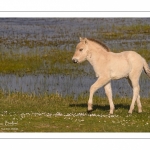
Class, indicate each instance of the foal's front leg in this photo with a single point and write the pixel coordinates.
(108, 92)
(101, 81)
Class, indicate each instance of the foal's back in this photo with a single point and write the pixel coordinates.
(129, 56)
(123, 63)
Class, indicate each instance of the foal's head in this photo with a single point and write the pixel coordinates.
(81, 52)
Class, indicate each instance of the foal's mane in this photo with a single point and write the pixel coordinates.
(100, 43)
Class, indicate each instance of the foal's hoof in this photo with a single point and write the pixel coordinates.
(129, 112)
(139, 111)
(89, 111)
(111, 113)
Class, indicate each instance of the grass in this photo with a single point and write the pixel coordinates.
(50, 62)
(125, 32)
(135, 29)
(53, 113)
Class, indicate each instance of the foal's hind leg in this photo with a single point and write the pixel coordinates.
(101, 81)
(108, 92)
(138, 98)
(139, 104)
(135, 96)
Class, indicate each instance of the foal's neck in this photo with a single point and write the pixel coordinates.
(97, 53)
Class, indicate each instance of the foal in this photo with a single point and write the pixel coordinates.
(111, 66)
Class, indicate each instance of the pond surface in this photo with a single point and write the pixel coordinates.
(67, 85)
(64, 33)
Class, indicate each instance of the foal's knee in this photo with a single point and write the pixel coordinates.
(93, 88)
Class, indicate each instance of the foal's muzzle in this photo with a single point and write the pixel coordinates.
(75, 60)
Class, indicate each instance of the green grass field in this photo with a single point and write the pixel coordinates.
(53, 113)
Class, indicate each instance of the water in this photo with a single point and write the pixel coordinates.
(67, 31)
(66, 85)
(64, 33)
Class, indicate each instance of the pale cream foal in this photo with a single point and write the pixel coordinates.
(110, 66)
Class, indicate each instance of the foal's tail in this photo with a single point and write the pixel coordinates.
(146, 68)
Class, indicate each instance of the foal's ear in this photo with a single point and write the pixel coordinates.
(85, 40)
(81, 39)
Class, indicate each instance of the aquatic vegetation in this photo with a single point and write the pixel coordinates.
(125, 32)
(145, 53)
(135, 29)
(51, 62)
(50, 32)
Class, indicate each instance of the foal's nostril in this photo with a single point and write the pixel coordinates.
(75, 60)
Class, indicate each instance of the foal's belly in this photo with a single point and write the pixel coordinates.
(119, 70)
(115, 76)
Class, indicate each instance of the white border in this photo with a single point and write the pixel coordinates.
(71, 135)
(67, 14)
(75, 141)
(72, 144)
(74, 5)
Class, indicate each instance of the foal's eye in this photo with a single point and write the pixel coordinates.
(81, 50)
